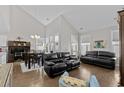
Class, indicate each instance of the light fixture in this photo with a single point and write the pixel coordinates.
(38, 37)
(32, 36)
(35, 36)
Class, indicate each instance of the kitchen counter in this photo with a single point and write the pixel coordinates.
(6, 75)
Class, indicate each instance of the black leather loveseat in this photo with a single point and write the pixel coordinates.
(57, 63)
(100, 58)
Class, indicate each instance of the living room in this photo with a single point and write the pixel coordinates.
(39, 44)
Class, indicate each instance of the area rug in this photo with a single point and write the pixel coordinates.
(25, 69)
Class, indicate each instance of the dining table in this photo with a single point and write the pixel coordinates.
(33, 57)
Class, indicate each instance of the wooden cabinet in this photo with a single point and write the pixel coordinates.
(121, 32)
(16, 49)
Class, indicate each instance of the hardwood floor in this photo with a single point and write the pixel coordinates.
(106, 77)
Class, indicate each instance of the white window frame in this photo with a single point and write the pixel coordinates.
(116, 44)
(88, 47)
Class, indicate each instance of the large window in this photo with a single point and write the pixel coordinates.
(85, 47)
(74, 44)
(115, 45)
(56, 43)
(85, 43)
(74, 49)
(52, 43)
(115, 42)
(40, 44)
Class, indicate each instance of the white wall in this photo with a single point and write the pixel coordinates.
(4, 28)
(60, 26)
(20, 23)
(69, 35)
(15, 22)
(23, 25)
(100, 35)
(4, 19)
(53, 29)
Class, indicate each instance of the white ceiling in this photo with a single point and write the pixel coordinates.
(88, 17)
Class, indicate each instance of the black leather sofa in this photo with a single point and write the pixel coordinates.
(57, 63)
(100, 58)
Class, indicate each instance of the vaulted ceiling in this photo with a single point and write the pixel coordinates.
(83, 17)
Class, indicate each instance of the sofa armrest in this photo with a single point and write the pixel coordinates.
(73, 57)
(114, 59)
(49, 63)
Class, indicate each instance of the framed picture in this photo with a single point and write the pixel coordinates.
(99, 44)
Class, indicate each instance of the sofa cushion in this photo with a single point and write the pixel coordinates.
(106, 58)
(106, 54)
(49, 63)
(56, 60)
(65, 54)
(58, 67)
(50, 56)
(87, 58)
(75, 63)
(91, 53)
(102, 61)
(54, 56)
(68, 63)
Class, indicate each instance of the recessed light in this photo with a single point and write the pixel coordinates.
(35, 36)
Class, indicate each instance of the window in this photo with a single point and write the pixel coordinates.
(52, 43)
(85, 47)
(51, 46)
(56, 43)
(74, 49)
(85, 43)
(116, 48)
(40, 44)
(115, 42)
(74, 44)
